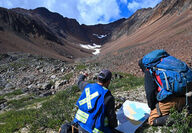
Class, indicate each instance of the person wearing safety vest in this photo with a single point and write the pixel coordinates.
(96, 105)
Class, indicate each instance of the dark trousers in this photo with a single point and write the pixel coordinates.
(81, 130)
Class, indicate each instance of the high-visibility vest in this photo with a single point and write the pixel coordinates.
(91, 113)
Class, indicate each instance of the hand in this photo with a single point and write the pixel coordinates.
(84, 73)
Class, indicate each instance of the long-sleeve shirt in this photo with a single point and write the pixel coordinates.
(109, 103)
(150, 87)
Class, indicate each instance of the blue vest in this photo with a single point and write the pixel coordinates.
(91, 113)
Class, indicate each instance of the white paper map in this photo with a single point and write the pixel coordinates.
(131, 116)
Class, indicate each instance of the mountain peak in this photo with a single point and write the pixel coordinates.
(41, 10)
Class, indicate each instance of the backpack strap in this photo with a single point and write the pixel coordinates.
(151, 72)
(166, 81)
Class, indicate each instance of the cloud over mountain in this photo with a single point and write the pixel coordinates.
(138, 4)
(85, 11)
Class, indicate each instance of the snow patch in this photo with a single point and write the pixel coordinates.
(92, 47)
(99, 36)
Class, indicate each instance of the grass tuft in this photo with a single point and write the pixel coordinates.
(125, 83)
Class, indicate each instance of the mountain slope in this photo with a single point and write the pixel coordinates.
(42, 32)
(168, 26)
(124, 42)
(23, 33)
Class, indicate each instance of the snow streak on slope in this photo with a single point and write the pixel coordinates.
(100, 36)
(94, 46)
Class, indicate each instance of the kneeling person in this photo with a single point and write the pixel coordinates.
(96, 105)
(162, 93)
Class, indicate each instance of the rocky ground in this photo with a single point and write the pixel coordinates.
(37, 75)
(24, 76)
(47, 87)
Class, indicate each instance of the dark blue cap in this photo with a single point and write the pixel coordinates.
(105, 75)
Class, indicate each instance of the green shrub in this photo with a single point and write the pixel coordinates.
(182, 122)
(125, 83)
(12, 94)
(14, 120)
(25, 101)
(15, 65)
(68, 76)
(81, 67)
(52, 83)
(3, 68)
(56, 111)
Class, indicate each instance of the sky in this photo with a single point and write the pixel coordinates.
(87, 12)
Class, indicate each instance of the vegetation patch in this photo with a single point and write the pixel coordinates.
(2, 56)
(52, 83)
(1, 88)
(181, 122)
(14, 120)
(12, 94)
(3, 68)
(81, 67)
(67, 76)
(15, 65)
(55, 110)
(28, 100)
(125, 82)
(58, 110)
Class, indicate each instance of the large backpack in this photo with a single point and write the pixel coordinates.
(171, 74)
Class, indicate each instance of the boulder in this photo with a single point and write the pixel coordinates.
(60, 83)
(39, 67)
(27, 80)
(41, 70)
(24, 90)
(45, 94)
(9, 86)
(3, 103)
(118, 76)
(53, 76)
(62, 70)
(45, 86)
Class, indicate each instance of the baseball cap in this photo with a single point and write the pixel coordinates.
(105, 75)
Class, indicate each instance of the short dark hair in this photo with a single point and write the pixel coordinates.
(104, 76)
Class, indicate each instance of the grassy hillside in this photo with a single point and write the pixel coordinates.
(40, 114)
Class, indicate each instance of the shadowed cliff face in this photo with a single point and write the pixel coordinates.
(62, 27)
(25, 24)
(34, 30)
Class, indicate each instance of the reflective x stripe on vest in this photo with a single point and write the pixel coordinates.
(81, 116)
(88, 98)
(97, 131)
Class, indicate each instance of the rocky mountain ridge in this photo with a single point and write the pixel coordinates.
(59, 36)
(149, 15)
(42, 32)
